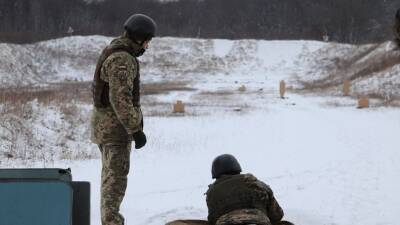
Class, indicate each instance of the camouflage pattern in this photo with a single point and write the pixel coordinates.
(188, 222)
(114, 124)
(122, 118)
(244, 216)
(115, 169)
(242, 192)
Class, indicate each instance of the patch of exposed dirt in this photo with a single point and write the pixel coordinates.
(77, 91)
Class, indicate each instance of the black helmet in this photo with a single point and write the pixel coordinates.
(225, 165)
(140, 27)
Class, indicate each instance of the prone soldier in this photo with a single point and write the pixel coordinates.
(240, 199)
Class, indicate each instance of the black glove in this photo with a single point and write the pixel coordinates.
(140, 139)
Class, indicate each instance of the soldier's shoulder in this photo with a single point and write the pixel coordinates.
(259, 184)
(119, 57)
(210, 187)
(207, 193)
(119, 61)
(249, 177)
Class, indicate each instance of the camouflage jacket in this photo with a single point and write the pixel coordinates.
(122, 117)
(242, 197)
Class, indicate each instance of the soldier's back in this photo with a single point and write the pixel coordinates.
(237, 192)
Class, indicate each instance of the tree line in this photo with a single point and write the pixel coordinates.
(349, 21)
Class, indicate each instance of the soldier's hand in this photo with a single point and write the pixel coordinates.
(140, 139)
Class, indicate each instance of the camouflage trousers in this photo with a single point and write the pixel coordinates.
(244, 217)
(114, 177)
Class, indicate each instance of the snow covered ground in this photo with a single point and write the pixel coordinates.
(326, 165)
(327, 162)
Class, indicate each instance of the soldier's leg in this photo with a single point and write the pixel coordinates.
(115, 169)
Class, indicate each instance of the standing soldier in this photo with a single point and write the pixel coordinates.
(240, 199)
(117, 119)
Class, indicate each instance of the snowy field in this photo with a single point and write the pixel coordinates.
(328, 162)
(327, 166)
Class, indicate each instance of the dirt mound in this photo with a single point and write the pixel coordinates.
(373, 70)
